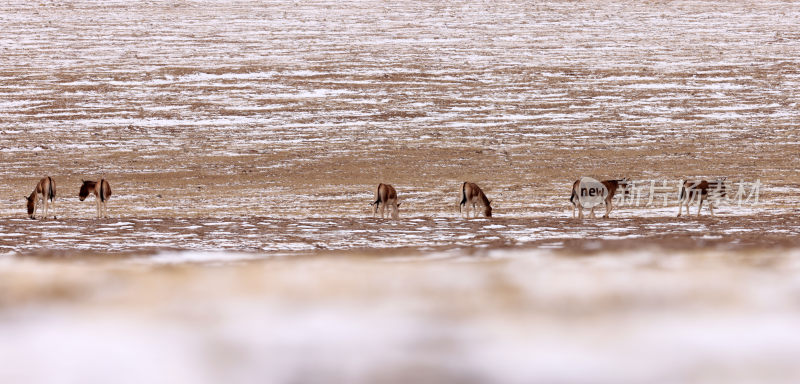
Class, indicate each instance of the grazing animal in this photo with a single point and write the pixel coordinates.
(701, 190)
(45, 191)
(472, 195)
(610, 186)
(101, 191)
(386, 195)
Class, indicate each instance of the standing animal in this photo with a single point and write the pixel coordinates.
(101, 191)
(386, 195)
(701, 190)
(471, 194)
(610, 187)
(45, 191)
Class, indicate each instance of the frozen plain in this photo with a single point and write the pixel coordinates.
(243, 140)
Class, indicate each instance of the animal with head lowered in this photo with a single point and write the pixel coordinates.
(101, 191)
(472, 195)
(43, 194)
(587, 189)
(700, 190)
(386, 195)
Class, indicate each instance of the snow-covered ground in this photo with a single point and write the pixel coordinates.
(243, 141)
(304, 107)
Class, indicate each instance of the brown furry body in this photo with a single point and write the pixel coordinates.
(43, 194)
(102, 192)
(472, 195)
(611, 185)
(386, 195)
(692, 190)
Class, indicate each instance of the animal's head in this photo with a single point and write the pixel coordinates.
(84, 190)
(487, 211)
(624, 183)
(396, 212)
(31, 202)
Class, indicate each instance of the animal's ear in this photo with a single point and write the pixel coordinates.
(398, 205)
(83, 181)
(491, 201)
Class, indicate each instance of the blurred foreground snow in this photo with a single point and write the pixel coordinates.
(501, 316)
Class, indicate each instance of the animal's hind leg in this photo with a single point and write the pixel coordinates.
(383, 209)
(699, 207)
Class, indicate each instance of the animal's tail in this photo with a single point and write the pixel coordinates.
(683, 190)
(102, 192)
(52, 193)
(377, 196)
(463, 196)
(574, 195)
